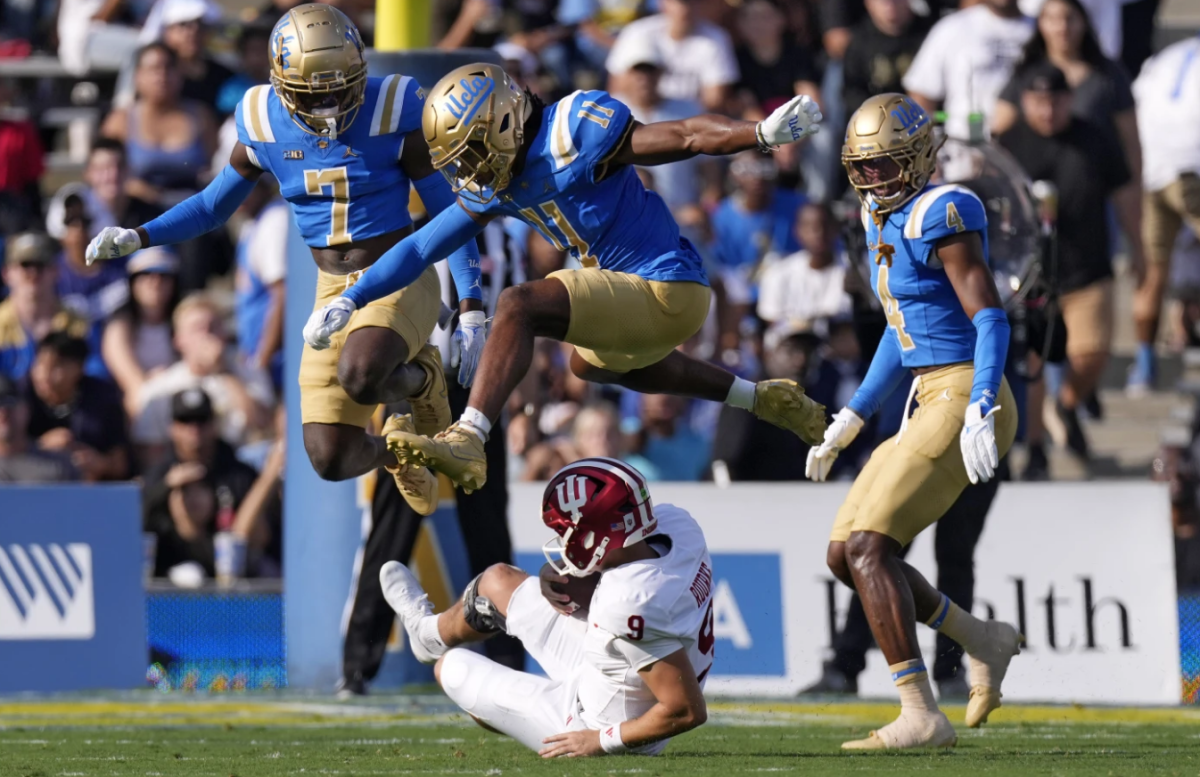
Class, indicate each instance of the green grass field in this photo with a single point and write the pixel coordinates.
(249, 736)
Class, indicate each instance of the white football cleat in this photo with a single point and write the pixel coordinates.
(913, 729)
(988, 667)
(406, 596)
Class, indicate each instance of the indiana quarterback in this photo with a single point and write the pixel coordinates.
(343, 147)
(624, 678)
(567, 170)
(945, 324)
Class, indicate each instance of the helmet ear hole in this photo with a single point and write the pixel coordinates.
(504, 123)
(589, 540)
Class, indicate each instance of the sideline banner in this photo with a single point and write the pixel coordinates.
(72, 607)
(1085, 570)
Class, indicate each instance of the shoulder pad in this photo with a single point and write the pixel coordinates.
(943, 211)
(397, 105)
(254, 117)
(589, 124)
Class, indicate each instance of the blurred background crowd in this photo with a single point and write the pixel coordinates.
(168, 367)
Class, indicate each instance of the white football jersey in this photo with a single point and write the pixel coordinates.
(643, 612)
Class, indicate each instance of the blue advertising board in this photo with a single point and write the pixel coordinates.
(72, 607)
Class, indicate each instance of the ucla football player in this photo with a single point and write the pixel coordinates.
(567, 170)
(344, 147)
(929, 268)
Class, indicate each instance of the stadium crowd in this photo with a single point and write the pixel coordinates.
(168, 366)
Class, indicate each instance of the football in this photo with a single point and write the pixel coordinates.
(580, 589)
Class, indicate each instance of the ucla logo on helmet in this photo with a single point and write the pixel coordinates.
(279, 41)
(910, 115)
(464, 104)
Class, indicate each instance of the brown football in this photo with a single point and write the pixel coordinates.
(580, 589)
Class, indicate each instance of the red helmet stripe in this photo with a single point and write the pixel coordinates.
(634, 479)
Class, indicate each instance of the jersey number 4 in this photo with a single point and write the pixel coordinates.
(337, 180)
(891, 309)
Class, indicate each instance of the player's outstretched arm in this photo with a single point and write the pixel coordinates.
(399, 266)
(679, 707)
(962, 257)
(709, 134)
(198, 214)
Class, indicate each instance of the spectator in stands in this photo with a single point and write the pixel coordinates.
(597, 24)
(697, 56)
(254, 59)
(673, 450)
(1101, 92)
(241, 395)
(169, 140)
(33, 309)
(185, 32)
(20, 462)
(680, 184)
(1087, 167)
(21, 166)
(773, 67)
(752, 226)
(811, 283)
(194, 490)
(93, 292)
(138, 342)
(1168, 111)
(965, 62)
(105, 177)
(467, 23)
(881, 49)
(261, 267)
(74, 414)
(1106, 21)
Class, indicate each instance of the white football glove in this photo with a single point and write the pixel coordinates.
(112, 243)
(978, 442)
(795, 120)
(845, 427)
(323, 324)
(467, 345)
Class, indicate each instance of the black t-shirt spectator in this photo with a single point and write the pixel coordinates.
(206, 89)
(875, 63)
(773, 84)
(227, 474)
(96, 418)
(1086, 164)
(1097, 99)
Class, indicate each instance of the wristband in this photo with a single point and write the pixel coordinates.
(763, 145)
(610, 740)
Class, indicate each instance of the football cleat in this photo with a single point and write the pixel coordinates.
(417, 485)
(784, 404)
(457, 453)
(405, 595)
(913, 729)
(431, 407)
(988, 668)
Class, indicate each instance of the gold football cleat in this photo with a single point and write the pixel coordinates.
(987, 669)
(457, 453)
(431, 408)
(783, 403)
(912, 730)
(417, 485)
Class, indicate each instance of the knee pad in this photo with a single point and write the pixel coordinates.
(480, 614)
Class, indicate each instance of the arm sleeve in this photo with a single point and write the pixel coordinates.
(991, 352)
(464, 263)
(404, 262)
(202, 212)
(884, 374)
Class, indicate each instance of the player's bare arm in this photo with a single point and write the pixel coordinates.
(962, 258)
(712, 135)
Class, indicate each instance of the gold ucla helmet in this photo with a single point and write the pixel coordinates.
(889, 152)
(474, 122)
(317, 67)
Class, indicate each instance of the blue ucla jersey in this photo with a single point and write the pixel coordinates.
(923, 311)
(607, 221)
(341, 189)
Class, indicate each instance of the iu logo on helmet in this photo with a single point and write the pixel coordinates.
(574, 497)
(46, 592)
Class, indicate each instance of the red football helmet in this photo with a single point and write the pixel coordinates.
(592, 505)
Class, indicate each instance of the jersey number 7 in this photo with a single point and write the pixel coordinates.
(337, 180)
